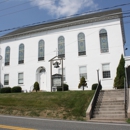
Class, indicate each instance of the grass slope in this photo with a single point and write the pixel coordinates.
(70, 105)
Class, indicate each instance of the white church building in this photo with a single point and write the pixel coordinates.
(91, 45)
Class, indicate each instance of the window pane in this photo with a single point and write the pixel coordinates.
(41, 50)
(21, 54)
(106, 71)
(81, 44)
(6, 79)
(83, 72)
(103, 41)
(106, 74)
(105, 67)
(20, 78)
(61, 46)
(7, 55)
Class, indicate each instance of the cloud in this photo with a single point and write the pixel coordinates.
(64, 7)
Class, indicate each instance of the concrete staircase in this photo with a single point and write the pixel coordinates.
(110, 106)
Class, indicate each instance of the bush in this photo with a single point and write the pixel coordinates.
(120, 74)
(65, 86)
(36, 86)
(5, 90)
(16, 89)
(94, 86)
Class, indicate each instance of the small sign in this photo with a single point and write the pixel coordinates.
(57, 82)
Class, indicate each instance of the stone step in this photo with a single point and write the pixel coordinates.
(110, 99)
(107, 104)
(109, 112)
(109, 109)
(116, 120)
(117, 90)
(109, 116)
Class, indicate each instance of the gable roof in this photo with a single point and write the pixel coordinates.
(77, 20)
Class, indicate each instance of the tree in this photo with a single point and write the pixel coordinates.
(120, 74)
(82, 83)
(36, 86)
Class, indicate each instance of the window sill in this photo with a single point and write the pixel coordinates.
(41, 61)
(104, 53)
(20, 84)
(106, 79)
(82, 56)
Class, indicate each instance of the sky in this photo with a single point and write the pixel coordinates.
(19, 13)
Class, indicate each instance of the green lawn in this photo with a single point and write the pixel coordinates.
(70, 105)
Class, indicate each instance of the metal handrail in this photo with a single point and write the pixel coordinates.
(126, 99)
(99, 87)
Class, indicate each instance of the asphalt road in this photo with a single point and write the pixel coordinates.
(24, 123)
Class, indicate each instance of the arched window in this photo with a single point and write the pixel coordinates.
(41, 50)
(103, 41)
(7, 55)
(81, 44)
(21, 54)
(61, 47)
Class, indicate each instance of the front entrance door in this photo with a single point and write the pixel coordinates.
(42, 80)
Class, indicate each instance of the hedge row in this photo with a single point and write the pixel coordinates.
(15, 89)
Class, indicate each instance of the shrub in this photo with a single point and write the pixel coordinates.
(120, 74)
(36, 86)
(83, 83)
(5, 90)
(65, 86)
(94, 86)
(16, 89)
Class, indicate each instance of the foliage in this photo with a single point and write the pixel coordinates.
(65, 86)
(5, 90)
(94, 86)
(120, 74)
(82, 83)
(16, 89)
(128, 120)
(36, 86)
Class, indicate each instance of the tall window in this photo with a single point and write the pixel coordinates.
(60, 72)
(61, 47)
(20, 78)
(41, 50)
(21, 54)
(83, 72)
(7, 55)
(103, 41)
(6, 79)
(106, 70)
(81, 44)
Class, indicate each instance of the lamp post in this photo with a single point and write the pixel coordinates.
(0, 71)
(98, 75)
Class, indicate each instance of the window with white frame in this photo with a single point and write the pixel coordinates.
(81, 44)
(106, 70)
(103, 41)
(21, 54)
(83, 72)
(20, 78)
(6, 79)
(7, 56)
(60, 72)
(41, 50)
(61, 47)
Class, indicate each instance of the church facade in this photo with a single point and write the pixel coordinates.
(91, 46)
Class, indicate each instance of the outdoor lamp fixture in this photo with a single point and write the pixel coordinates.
(56, 64)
